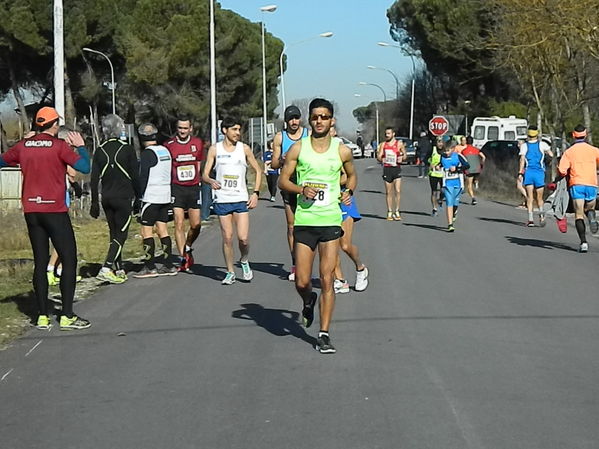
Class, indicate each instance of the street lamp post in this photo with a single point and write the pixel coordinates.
(263, 9)
(392, 74)
(285, 47)
(386, 44)
(364, 83)
(59, 59)
(112, 85)
(376, 109)
(213, 131)
(466, 104)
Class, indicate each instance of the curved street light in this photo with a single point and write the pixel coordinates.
(364, 83)
(263, 9)
(386, 44)
(285, 47)
(393, 75)
(112, 85)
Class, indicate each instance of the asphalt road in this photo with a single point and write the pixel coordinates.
(485, 338)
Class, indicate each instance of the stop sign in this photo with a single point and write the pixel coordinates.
(438, 125)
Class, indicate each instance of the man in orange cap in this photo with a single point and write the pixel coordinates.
(44, 159)
(580, 163)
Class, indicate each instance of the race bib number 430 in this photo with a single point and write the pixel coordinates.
(186, 172)
(323, 197)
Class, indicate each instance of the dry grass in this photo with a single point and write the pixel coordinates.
(498, 182)
(17, 304)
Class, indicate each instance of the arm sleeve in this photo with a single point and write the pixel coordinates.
(564, 165)
(147, 161)
(95, 178)
(133, 170)
(10, 158)
(81, 163)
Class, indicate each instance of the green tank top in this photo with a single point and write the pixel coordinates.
(321, 171)
(433, 161)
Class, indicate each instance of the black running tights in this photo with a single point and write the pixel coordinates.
(56, 227)
(118, 216)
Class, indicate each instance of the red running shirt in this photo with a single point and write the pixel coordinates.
(391, 154)
(186, 157)
(43, 159)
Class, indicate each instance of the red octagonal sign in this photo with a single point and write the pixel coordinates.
(438, 126)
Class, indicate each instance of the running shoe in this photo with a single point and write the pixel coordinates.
(168, 271)
(341, 286)
(247, 272)
(396, 216)
(52, 279)
(584, 248)
(122, 274)
(450, 228)
(389, 215)
(229, 279)
(43, 322)
(73, 323)
(272, 199)
(361, 280)
(594, 225)
(542, 222)
(324, 346)
(530, 224)
(146, 273)
(474, 203)
(109, 276)
(189, 260)
(78, 278)
(434, 213)
(308, 310)
(291, 276)
(562, 224)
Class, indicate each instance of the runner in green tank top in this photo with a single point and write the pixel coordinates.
(318, 160)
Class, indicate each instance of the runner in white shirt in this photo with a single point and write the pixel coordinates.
(230, 159)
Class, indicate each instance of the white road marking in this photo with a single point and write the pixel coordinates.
(6, 375)
(32, 349)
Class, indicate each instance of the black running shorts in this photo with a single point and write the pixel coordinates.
(435, 183)
(313, 235)
(151, 213)
(290, 199)
(185, 197)
(390, 174)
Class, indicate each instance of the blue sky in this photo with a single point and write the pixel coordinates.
(333, 67)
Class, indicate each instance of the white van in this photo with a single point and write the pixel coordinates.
(485, 129)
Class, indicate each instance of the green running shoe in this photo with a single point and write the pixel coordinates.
(43, 322)
(73, 323)
(109, 276)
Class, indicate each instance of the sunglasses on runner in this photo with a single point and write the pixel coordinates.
(323, 117)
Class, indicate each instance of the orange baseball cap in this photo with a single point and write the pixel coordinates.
(46, 115)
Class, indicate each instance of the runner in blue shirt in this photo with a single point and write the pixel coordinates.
(453, 165)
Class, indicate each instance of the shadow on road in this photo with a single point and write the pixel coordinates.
(408, 212)
(276, 269)
(209, 271)
(538, 243)
(373, 216)
(278, 322)
(425, 226)
(502, 220)
(373, 191)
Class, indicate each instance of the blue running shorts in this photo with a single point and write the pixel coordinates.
(222, 209)
(580, 192)
(452, 195)
(350, 211)
(534, 177)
